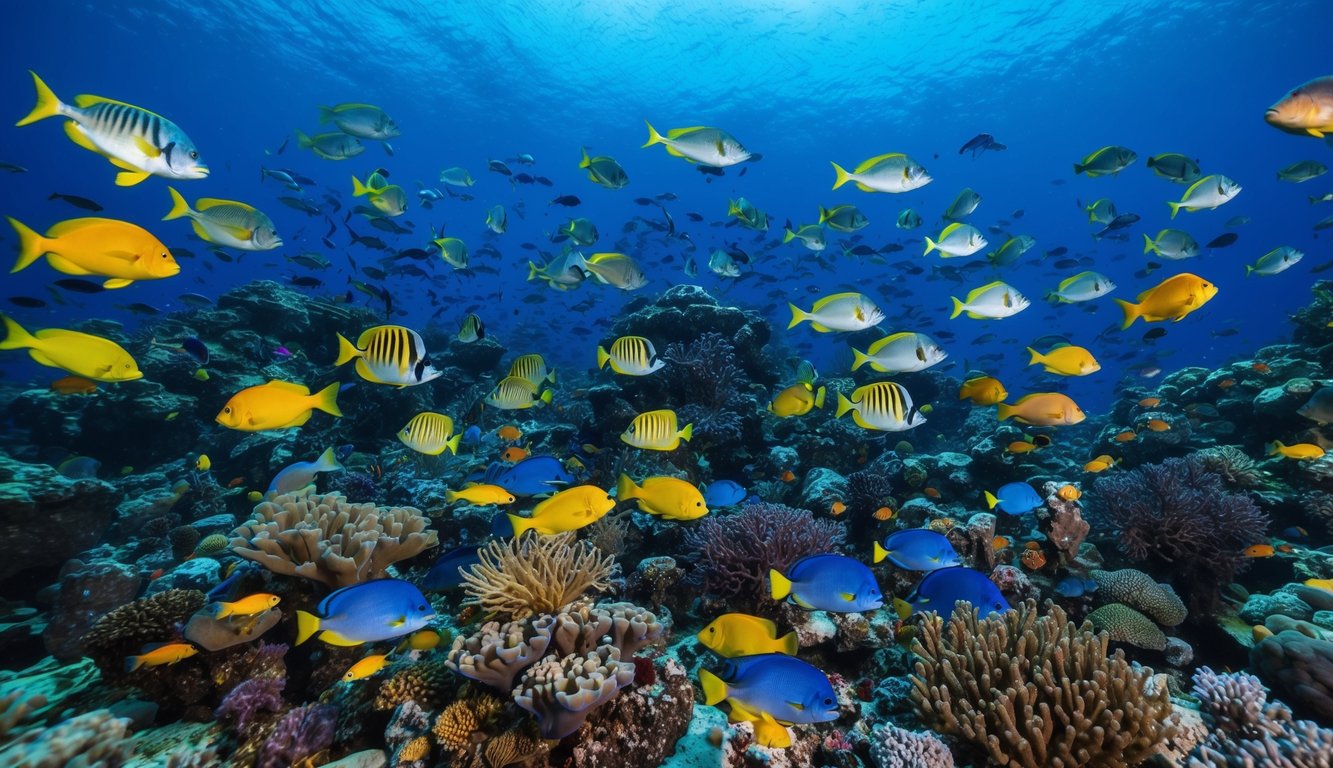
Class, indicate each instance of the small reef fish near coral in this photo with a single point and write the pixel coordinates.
(862, 385)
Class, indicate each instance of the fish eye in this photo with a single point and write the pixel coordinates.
(194, 155)
(421, 607)
(164, 254)
(712, 630)
(227, 409)
(828, 701)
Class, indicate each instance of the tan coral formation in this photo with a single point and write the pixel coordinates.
(1034, 690)
(330, 540)
(534, 574)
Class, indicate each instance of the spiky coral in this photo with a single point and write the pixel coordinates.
(1032, 689)
(1178, 516)
(535, 574)
(734, 552)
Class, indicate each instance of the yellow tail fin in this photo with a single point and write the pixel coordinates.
(991, 501)
(519, 524)
(31, 244)
(1148, 245)
(546, 397)
(842, 175)
(797, 316)
(686, 433)
(359, 189)
(880, 553)
(303, 141)
(602, 355)
(957, 307)
(789, 644)
(626, 489)
(307, 624)
(179, 207)
(653, 136)
(779, 585)
(859, 358)
(326, 115)
(347, 351)
(327, 399)
(1175, 208)
(47, 103)
(16, 337)
(715, 689)
(930, 246)
(586, 161)
(1004, 411)
(453, 443)
(844, 405)
(1036, 356)
(1131, 311)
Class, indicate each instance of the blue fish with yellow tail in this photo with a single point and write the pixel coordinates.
(366, 612)
(783, 687)
(1014, 499)
(533, 476)
(828, 583)
(917, 549)
(939, 590)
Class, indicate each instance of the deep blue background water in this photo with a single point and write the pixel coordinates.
(801, 83)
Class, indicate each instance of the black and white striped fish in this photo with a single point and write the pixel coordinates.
(388, 354)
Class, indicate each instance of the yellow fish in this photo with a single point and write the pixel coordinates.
(796, 400)
(277, 405)
(82, 354)
(203, 463)
(739, 634)
(1045, 409)
(656, 431)
(533, 368)
(883, 406)
(117, 250)
(1324, 584)
(667, 497)
(480, 494)
(568, 510)
(984, 390)
(366, 667)
(1299, 451)
(157, 655)
(429, 433)
(1171, 299)
(630, 356)
(1066, 361)
(421, 640)
(246, 606)
(515, 393)
(388, 354)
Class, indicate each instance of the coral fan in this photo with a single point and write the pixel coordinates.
(1178, 517)
(329, 540)
(1036, 690)
(535, 574)
(733, 553)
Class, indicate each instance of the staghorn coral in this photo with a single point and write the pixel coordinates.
(893, 747)
(327, 539)
(1234, 466)
(1138, 590)
(1126, 625)
(496, 653)
(96, 738)
(561, 692)
(15, 707)
(734, 552)
(300, 735)
(535, 574)
(1035, 690)
(1178, 517)
(1249, 731)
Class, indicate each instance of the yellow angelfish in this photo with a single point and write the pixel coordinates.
(246, 606)
(157, 655)
(1299, 451)
(277, 405)
(1171, 299)
(117, 250)
(739, 634)
(797, 400)
(366, 667)
(667, 497)
(568, 510)
(82, 354)
(480, 494)
(1067, 361)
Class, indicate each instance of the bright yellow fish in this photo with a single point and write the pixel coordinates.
(796, 400)
(1299, 451)
(1171, 299)
(1066, 361)
(667, 497)
(1045, 409)
(117, 250)
(366, 667)
(739, 634)
(82, 354)
(568, 510)
(157, 655)
(246, 606)
(656, 431)
(480, 494)
(276, 405)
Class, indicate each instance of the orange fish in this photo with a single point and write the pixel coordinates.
(837, 508)
(155, 575)
(74, 385)
(788, 476)
(1261, 368)
(1069, 493)
(884, 513)
(1001, 542)
(1021, 446)
(509, 432)
(1157, 425)
(1285, 548)
(1032, 559)
(1259, 550)
(931, 492)
(236, 482)
(1226, 383)
(1127, 436)
(1099, 464)
(514, 454)
(1150, 402)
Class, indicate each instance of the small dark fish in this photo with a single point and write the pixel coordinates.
(11, 168)
(76, 201)
(1223, 240)
(545, 182)
(1018, 214)
(27, 301)
(694, 216)
(498, 166)
(222, 255)
(1321, 267)
(299, 204)
(196, 349)
(1057, 251)
(1120, 222)
(642, 201)
(534, 298)
(709, 170)
(524, 178)
(1155, 333)
(569, 201)
(413, 253)
(1225, 332)
(195, 300)
(375, 273)
(305, 281)
(139, 308)
(667, 197)
(980, 143)
(1066, 263)
(79, 286)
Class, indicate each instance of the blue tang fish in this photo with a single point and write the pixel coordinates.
(723, 493)
(918, 549)
(366, 612)
(939, 590)
(1075, 586)
(828, 583)
(472, 435)
(444, 574)
(302, 473)
(532, 476)
(783, 687)
(1014, 499)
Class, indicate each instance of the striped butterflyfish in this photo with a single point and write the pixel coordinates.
(882, 406)
(515, 393)
(656, 431)
(472, 329)
(533, 368)
(430, 433)
(135, 140)
(388, 354)
(630, 356)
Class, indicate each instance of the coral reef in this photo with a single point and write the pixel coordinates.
(73, 513)
(534, 574)
(561, 692)
(893, 747)
(96, 738)
(1249, 731)
(1298, 663)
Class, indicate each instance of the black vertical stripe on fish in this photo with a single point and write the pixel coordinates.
(121, 116)
(156, 122)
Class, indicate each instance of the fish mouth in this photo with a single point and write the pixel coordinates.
(132, 376)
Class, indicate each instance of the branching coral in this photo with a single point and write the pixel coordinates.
(1248, 731)
(1178, 517)
(535, 574)
(1035, 690)
(713, 383)
(328, 539)
(733, 553)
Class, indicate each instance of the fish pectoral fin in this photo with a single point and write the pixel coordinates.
(848, 596)
(117, 282)
(240, 233)
(796, 705)
(129, 179)
(398, 622)
(76, 135)
(124, 165)
(145, 146)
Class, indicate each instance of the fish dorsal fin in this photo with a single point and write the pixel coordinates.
(85, 100)
(978, 292)
(824, 302)
(676, 133)
(288, 386)
(204, 203)
(1064, 284)
(1145, 294)
(950, 229)
(874, 161)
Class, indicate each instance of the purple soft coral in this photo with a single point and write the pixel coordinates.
(301, 733)
(249, 698)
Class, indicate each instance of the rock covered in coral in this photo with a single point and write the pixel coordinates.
(641, 726)
(561, 693)
(496, 653)
(1298, 663)
(95, 738)
(1249, 730)
(47, 518)
(87, 593)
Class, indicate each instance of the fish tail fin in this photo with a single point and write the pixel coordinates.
(346, 351)
(1275, 447)
(788, 644)
(307, 624)
(653, 136)
(325, 115)
(532, 271)
(1037, 357)
(734, 209)
(824, 214)
(359, 189)
(31, 244)
(779, 586)
(879, 553)
(328, 461)
(844, 405)
(1174, 206)
(787, 234)
(841, 175)
(303, 141)
(327, 400)
(1148, 245)
(686, 433)
(518, 523)
(991, 501)
(16, 337)
(1004, 411)
(930, 246)
(602, 356)
(131, 662)
(626, 489)
(715, 690)
(819, 397)
(546, 397)
(1079, 168)
(179, 207)
(1249, 270)
(586, 162)
(957, 307)
(797, 316)
(1131, 311)
(859, 358)
(47, 103)
(453, 443)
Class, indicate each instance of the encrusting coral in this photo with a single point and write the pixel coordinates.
(327, 539)
(534, 574)
(1035, 690)
(561, 692)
